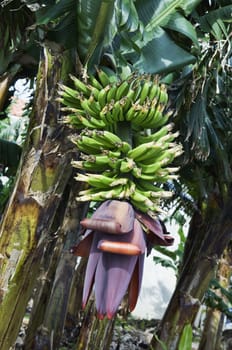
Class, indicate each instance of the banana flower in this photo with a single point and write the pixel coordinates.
(116, 239)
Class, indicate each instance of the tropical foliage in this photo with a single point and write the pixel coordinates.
(188, 43)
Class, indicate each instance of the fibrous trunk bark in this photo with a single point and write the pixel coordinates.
(46, 326)
(211, 338)
(44, 172)
(209, 234)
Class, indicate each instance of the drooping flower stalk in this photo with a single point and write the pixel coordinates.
(127, 149)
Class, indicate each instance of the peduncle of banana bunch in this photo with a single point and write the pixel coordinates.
(125, 139)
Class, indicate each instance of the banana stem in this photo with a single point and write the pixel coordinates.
(124, 131)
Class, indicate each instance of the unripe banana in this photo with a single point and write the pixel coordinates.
(144, 91)
(138, 152)
(140, 118)
(91, 107)
(131, 113)
(163, 96)
(144, 185)
(159, 120)
(111, 93)
(101, 195)
(103, 77)
(126, 165)
(138, 138)
(95, 83)
(96, 123)
(66, 91)
(102, 96)
(154, 91)
(122, 90)
(96, 180)
(78, 119)
(150, 168)
(81, 86)
(117, 112)
(107, 138)
(89, 166)
(141, 202)
(124, 147)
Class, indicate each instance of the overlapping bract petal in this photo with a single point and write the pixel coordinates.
(116, 244)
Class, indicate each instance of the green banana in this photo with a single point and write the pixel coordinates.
(152, 116)
(138, 138)
(138, 153)
(89, 166)
(72, 120)
(102, 159)
(144, 185)
(124, 147)
(129, 98)
(137, 173)
(122, 90)
(103, 77)
(69, 102)
(159, 120)
(141, 202)
(96, 123)
(84, 122)
(139, 118)
(91, 107)
(111, 93)
(117, 112)
(144, 91)
(126, 165)
(163, 96)
(107, 138)
(96, 180)
(85, 141)
(156, 153)
(66, 91)
(150, 168)
(102, 96)
(95, 83)
(101, 195)
(154, 91)
(131, 113)
(81, 86)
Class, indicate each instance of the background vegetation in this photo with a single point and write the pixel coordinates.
(188, 44)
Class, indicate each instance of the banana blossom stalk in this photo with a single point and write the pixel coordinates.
(116, 239)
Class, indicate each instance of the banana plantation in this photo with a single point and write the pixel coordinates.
(125, 127)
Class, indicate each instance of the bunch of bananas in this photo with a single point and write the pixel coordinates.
(112, 167)
(100, 103)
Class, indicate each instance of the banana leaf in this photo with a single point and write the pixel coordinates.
(151, 48)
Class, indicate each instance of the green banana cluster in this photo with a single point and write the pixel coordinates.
(103, 102)
(112, 167)
(115, 170)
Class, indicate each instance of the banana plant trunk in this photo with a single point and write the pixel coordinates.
(211, 338)
(47, 323)
(209, 234)
(42, 178)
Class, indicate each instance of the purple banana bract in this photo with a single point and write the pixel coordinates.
(116, 240)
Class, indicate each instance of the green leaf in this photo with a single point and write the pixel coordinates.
(93, 23)
(161, 55)
(180, 24)
(213, 21)
(162, 344)
(186, 338)
(53, 12)
(163, 13)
